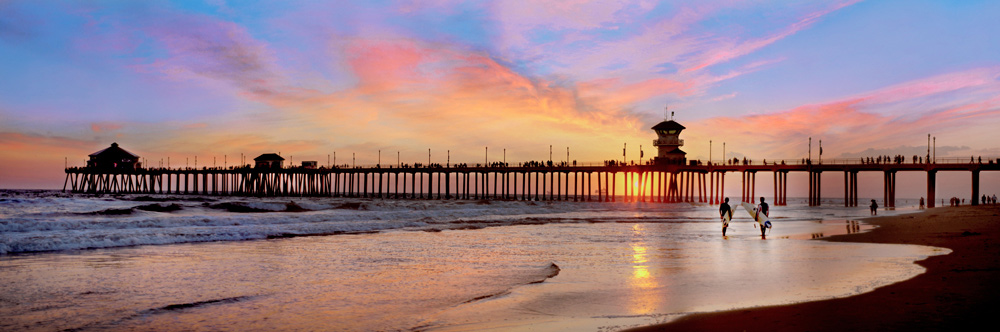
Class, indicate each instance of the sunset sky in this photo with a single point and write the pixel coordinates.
(308, 79)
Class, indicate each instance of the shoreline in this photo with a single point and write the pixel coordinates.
(957, 290)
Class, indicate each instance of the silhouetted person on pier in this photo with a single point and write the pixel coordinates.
(726, 213)
(874, 207)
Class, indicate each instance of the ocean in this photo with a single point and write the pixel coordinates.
(183, 263)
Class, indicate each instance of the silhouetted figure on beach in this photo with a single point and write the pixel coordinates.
(874, 207)
(921, 203)
(726, 213)
(763, 209)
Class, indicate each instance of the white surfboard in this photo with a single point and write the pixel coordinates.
(727, 217)
(752, 210)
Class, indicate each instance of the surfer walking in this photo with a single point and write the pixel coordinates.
(726, 213)
(762, 209)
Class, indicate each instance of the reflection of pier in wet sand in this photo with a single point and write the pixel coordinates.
(638, 183)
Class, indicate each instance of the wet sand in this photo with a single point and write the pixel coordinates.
(958, 291)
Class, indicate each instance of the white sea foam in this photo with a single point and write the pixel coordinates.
(49, 220)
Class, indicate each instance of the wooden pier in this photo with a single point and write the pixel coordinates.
(641, 183)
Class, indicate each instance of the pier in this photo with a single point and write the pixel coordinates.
(672, 183)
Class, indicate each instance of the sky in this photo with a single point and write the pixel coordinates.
(484, 80)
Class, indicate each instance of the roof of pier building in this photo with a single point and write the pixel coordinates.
(114, 153)
(269, 157)
(668, 125)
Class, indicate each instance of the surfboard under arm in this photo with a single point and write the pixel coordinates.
(752, 210)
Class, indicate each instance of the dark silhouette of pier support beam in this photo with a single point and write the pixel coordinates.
(889, 190)
(536, 186)
(614, 178)
(600, 188)
(931, 187)
(743, 188)
(815, 187)
(702, 188)
(975, 187)
(847, 189)
(590, 189)
(749, 186)
(854, 188)
(784, 188)
(722, 185)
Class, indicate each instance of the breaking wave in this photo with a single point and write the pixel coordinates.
(37, 222)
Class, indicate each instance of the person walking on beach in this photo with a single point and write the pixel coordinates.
(762, 209)
(921, 203)
(726, 213)
(874, 207)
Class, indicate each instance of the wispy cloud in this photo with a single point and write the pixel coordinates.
(850, 124)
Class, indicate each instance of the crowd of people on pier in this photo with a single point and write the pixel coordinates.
(886, 159)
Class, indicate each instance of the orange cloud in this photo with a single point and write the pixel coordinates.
(99, 127)
(36, 161)
(845, 127)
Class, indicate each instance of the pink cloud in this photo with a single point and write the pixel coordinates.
(201, 47)
(99, 127)
(950, 82)
(855, 123)
(386, 64)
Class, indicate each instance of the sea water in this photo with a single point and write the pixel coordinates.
(173, 263)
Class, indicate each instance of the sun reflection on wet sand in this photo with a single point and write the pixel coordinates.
(644, 299)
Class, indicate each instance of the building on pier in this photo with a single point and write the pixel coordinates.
(668, 143)
(269, 160)
(114, 157)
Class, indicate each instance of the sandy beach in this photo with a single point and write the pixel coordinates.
(958, 290)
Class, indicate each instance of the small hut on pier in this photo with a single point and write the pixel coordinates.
(668, 143)
(114, 157)
(269, 160)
